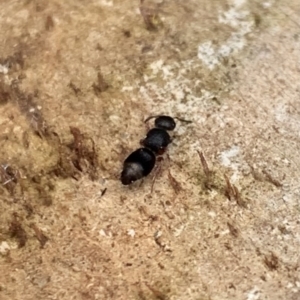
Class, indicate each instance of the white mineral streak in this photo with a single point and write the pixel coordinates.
(236, 18)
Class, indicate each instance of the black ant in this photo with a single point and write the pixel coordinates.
(141, 162)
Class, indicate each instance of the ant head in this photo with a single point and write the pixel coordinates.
(163, 122)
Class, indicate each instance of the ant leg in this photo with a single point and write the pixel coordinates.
(156, 171)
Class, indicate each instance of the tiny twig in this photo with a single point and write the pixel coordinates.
(204, 164)
(175, 184)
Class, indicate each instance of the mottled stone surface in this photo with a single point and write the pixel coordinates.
(218, 218)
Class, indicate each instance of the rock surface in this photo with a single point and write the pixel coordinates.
(219, 217)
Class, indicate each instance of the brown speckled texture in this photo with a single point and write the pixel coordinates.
(231, 231)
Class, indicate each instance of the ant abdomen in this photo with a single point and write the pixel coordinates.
(137, 165)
